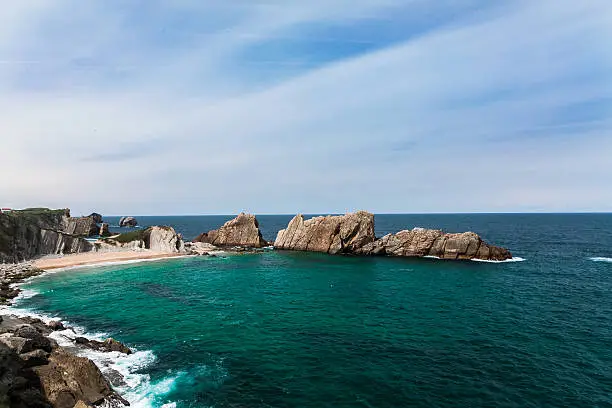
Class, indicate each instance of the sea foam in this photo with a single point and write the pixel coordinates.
(515, 259)
(137, 388)
(601, 259)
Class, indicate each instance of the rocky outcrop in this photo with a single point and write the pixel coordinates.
(96, 217)
(29, 233)
(163, 239)
(128, 222)
(104, 230)
(331, 234)
(354, 234)
(200, 248)
(80, 226)
(158, 239)
(106, 345)
(36, 372)
(241, 231)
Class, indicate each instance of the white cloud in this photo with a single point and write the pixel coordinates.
(469, 117)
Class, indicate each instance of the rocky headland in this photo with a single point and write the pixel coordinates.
(354, 234)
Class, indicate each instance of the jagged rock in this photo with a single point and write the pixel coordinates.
(199, 248)
(18, 387)
(128, 222)
(354, 234)
(81, 404)
(19, 345)
(96, 217)
(106, 345)
(163, 239)
(35, 358)
(39, 341)
(56, 325)
(330, 234)
(241, 231)
(81, 226)
(66, 379)
(104, 230)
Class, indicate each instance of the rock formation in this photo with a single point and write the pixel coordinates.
(354, 234)
(96, 217)
(104, 230)
(241, 231)
(158, 239)
(331, 234)
(36, 372)
(39, 231)
(128, 222)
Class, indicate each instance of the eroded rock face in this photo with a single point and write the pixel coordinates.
(80, 226)
(354, 234)
(128, 222)
(96, 217)
(66, 379)
(163, 239)
(241, 231)
(330, 234)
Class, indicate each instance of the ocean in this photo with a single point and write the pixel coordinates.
(289, 329)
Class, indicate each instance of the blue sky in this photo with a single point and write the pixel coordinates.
(204, 107)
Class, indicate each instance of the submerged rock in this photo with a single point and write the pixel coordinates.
(241, 231)
(354, 234)
(128, 222)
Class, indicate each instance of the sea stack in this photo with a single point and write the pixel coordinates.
(354, 234)
(128, 222)
(241, 231)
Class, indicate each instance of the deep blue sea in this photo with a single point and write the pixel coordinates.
(287, 329)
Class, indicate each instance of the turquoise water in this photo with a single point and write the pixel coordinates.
(284, 329)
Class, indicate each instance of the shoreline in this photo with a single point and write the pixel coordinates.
(122, 385)
(86, 259)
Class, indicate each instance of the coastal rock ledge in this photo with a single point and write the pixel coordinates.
(354, 234)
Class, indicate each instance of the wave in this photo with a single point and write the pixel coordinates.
(601, 259)
(515, 259)
(124, 371)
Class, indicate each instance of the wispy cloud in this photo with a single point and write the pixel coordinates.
(307, 106)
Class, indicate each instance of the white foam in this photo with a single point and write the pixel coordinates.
(138, 388)
(515, 259)
(432, 257)
(601, 259)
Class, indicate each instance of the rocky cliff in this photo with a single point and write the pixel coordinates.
(354, 234)
(241, 231)
(39, 231)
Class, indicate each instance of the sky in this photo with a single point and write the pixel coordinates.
(152, 107)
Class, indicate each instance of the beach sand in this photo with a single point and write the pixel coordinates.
(93, 258)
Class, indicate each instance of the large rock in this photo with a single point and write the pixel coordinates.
(18, 387)
(104, 230)
(81, 226)
(163, 239)
(128, 222)
(354, 234)
(330, 234)
(241, 231)
(66, 379)
(96, 217)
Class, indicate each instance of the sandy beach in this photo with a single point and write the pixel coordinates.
(93, 258)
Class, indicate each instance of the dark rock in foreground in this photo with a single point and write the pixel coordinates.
(354, 234)
(241, 231)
